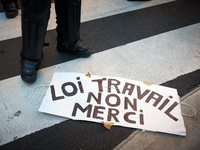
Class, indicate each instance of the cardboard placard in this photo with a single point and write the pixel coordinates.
(120, 101)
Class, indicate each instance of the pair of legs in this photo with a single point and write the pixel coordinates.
(10, 7)
(35, 16)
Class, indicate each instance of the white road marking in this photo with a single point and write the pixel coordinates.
(91, 9)
(154, 60)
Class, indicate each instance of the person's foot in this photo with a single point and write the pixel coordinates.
(79, 48)
(11, 9)
(29, 70)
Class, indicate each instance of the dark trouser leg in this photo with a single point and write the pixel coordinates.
(68, 29)
(35, 16)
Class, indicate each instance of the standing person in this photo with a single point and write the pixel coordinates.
(35, 16)
(10, 7)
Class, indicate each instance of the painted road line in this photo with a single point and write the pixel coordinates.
(154, 60)
(11, 28)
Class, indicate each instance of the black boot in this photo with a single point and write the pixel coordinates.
(11, 9)
(77, 48)
(29, 70)
(68, 29)
(35, 16)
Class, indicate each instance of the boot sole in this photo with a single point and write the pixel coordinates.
(29, 79)
(75, 54)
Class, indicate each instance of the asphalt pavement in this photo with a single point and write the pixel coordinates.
(153, 41)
